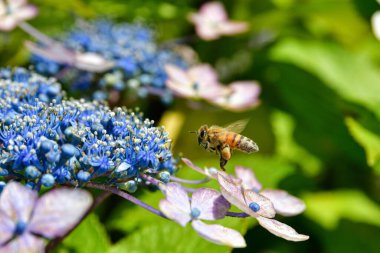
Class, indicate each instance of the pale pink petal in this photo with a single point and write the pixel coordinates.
(376, 24)
(266, 207)
(176, 195)
(281, 230)
(7, 226)
(177, 75)
(17, 202)
(233, 192)
(26, 13)
(26, 243)
(248, 178)
(213, 11)
(7, 23)
(59, 210)
(203, 73)
(173, 213)
(55, 52)
(193, 166)
(92, 62)
(241, 96)
(232, 28)
(284, 203)
(14, 4)
(210, 203)
(180, 90)
(207, 31)
(219, 234)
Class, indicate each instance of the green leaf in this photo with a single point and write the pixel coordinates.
(89, 236)
(166, 237)
(283, 128)
(367, 139)
(350, 74)
(328, 208)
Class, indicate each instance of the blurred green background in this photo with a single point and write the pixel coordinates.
(317, 127)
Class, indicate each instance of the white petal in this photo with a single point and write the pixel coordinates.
(7, 226)
(204, 74)
(193, 166)
(59, 210)
(284, 203)
(92, 62)
(210, 203)
(26, 243)
(26, 13)
(55, 52)
(8, 23)
(213, 11)
(219, 234)
(232, 191)
(376, 24)
(282, 230)
(248, 178)
(17, 201)
(176, 195)
(266, 206)
(232, 28)
(173, 213)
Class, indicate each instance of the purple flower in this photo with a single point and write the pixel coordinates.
(212, 21)
(26, 219)
(205, 204)
(210, 172)
(14, 12)
(284, 203)
(256, 205)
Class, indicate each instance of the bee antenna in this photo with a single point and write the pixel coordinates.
(193, 132)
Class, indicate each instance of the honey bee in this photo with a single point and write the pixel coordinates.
(223, 140)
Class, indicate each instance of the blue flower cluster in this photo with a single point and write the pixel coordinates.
(46, 139)
(139, 61)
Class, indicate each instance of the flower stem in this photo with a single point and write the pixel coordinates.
(237, 215)
(36, 33)
(186, 181)
(98, 200)
(126, 196)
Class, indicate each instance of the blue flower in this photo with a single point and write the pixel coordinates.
(139, 60)
(73, 141)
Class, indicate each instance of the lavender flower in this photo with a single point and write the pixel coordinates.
(257, 206)
(73, 141)
(14, 12)
(138, 60)
(212, 21)
(25, 219)
(205, 204)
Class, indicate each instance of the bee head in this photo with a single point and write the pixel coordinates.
(202, 134)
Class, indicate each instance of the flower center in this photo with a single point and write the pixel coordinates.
(254, 206)
(195, 213)
(195, 86)
(20, 228)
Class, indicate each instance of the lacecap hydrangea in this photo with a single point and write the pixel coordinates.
(46, 139)
(139, 60)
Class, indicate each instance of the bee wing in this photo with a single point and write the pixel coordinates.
(237, 126)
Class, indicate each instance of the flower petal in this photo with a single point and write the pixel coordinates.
(26, 243)
(58, 211)
(173, 213)
(7, 23)
(376, 24)
(203, 73)
(284, 203)
(176, 195)
(26, 12)
(266, 207)
(92, 62)
(232, 191)
(210, 203)
(55, 52)
(218, 234)
(231, 28)
(213, 11)
(282, 230)
(17, 201)
(7, 226)
(248, 178)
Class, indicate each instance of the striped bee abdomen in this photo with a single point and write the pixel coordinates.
(247, 145)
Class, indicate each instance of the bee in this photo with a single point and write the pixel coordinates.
(223, 140)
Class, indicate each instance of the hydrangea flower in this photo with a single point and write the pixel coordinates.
(73, 141)
(201, 82)
(212, 21)
(138, 60)
(14, 12)
(26, 220)
(205, 204)
(256, 205)
(284, 203)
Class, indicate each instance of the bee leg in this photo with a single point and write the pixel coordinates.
(225, 155)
